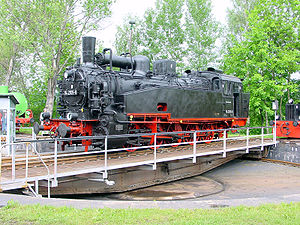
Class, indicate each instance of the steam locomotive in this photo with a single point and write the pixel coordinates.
(111, 95)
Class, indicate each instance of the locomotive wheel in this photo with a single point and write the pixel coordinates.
(129, 149)
(160, 140)
(176, 127)
(190, 137)
(178, 141)
(210, 136)
(220, 135)
(163, 141)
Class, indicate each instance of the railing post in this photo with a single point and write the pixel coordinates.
(247, 141)
(55, 163)
(13, 164)
(224, 143)
(48, 186)
(0, 164)
(274, 135)
(26, 166)
(105, 158)
(194, 147)
(36, 186)
(262, 139)
(275, 130)
(155, 147)
(33, 138)
(33, 135)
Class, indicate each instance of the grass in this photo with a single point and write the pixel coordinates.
(23, 130)
(14, 213)
(255, 132)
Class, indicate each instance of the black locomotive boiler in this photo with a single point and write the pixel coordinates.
(110, 95)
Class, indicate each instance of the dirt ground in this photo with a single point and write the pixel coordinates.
(239, 179)
(249, 179)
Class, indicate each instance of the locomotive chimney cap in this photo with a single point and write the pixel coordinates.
(88, 49)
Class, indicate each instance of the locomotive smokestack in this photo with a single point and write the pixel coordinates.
(88, 49)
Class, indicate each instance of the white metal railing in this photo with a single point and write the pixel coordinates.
(26, 159)
(104, 169)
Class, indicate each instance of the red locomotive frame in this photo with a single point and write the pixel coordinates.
(156, 122)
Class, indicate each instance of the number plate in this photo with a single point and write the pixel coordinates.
(71, 92)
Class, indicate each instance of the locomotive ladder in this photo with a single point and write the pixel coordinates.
(33, 168)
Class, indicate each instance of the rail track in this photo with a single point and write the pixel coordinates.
(63, 158)
(281, 162)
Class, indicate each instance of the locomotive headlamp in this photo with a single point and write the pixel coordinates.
(65, 75)
(72, 116)
(69, 74)
(45, 115)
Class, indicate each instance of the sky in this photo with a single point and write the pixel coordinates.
(123, 8)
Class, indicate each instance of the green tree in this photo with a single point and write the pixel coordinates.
(157, 35)
(201, 33)
(237, 17)
(237, 24)
(184, 31)
(51, 31)
(8, 57)
(163, 34)
(267, 56)
(122, 38)
(10, 49)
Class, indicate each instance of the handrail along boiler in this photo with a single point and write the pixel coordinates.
(96, 100)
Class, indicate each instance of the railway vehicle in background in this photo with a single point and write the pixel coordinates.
(290, 127)
(95, 100)
(24, 116)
